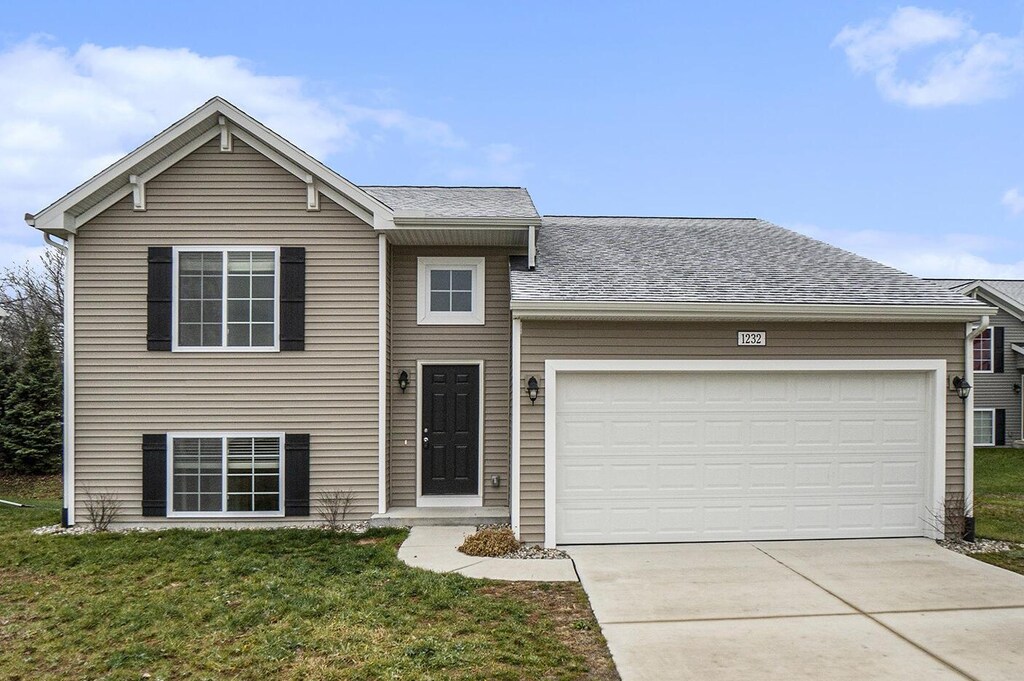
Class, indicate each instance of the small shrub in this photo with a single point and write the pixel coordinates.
(334, 506)
(101, 508)
(490, 542)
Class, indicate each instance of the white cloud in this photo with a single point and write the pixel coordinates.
(965, 66)
(1014, 200)
(68, 114)
(924, 255)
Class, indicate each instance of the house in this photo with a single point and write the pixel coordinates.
(247, 329)
(998, 360)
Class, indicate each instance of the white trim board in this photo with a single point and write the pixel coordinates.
(516, 443)
(382, 373)
(936, 369)
(441, 500)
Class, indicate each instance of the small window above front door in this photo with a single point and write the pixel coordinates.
(450, 291)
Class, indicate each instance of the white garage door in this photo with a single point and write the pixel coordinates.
(650, 457)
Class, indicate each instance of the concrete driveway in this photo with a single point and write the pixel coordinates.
(857, 609)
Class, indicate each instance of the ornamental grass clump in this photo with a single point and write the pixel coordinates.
(490, 542)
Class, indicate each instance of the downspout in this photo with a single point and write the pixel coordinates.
(972, 333)
(68, 460)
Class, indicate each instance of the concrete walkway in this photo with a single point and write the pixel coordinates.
(860, 609)
(436, 548)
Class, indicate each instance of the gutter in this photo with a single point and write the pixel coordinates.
(67, 516)
(627, 310)
(972, 333)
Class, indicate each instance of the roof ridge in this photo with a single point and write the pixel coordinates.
(654, 217)
(437, 186)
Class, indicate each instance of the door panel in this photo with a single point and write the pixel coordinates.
(451, 430)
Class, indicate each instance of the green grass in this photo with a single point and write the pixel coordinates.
(292, 604)
(999, 494)
(999, 503)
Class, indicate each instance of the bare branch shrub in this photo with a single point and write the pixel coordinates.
(951, 517)
(101, 508)
(334, 506)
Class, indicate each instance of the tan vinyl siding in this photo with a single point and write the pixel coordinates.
(995, 391)
(669, 340)
(490, 342)
(122, 390)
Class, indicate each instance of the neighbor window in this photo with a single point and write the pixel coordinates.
(450, 290)
(984, 426)
(226, 474)
(983, 351)
(226, 299)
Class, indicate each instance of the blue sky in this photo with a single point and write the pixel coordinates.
(891, 130)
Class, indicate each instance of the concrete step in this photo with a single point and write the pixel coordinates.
(442, 515)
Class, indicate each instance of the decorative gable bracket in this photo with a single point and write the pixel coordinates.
(138, 192)
(225, 133)
(312, 193)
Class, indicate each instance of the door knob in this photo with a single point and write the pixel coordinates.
(426, 441)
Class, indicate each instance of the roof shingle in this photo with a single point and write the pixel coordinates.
(456, 202)
(708, 260)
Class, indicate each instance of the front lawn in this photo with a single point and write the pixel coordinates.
(301, 604)
(999, 502)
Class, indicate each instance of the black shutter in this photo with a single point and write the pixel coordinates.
(293, 298)
(296, 474)
(1000, 440)
(158, 298)
(998, 340)
(154, 475)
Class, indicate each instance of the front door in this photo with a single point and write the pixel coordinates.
(451, 429)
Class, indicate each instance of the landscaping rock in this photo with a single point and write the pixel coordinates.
(979, 546)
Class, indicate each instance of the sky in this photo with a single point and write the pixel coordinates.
(894, 131)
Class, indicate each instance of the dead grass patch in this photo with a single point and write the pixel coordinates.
(568, 608)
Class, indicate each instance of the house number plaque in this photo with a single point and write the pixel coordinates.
(751, 338)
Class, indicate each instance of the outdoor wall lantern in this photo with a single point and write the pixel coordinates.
(532, 389)
(1016, 388)
(403, 380)
(962, 387)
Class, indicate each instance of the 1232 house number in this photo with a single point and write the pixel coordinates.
(750, 338)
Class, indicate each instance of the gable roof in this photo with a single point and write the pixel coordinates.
(729, 263)
(1006, 293)
(217, 117)
(456, 202)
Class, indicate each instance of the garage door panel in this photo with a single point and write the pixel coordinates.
(780, 455)
(658, 476)
(725, 519)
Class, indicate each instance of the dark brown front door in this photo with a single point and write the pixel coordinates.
(451, 429)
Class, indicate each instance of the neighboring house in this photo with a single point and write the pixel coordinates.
(998, 360)
(247, 329)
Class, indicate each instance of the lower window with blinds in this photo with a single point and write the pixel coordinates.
(225, 474)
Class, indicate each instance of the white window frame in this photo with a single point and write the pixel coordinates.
(224, 347)
(982, 338)
(992, 431)
(424, 266)
(224, 437)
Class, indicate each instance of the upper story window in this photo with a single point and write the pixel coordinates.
(226, 299)
(450, 290)
(983, 351)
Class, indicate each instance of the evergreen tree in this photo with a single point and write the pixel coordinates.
(30, 432)
(6, 381)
